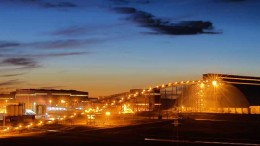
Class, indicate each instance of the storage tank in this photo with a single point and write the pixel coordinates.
(22, 112)
(40, 109)
(15, 110)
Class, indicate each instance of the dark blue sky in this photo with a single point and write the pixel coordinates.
(110, 46)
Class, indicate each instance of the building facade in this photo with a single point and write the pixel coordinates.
(39, 99)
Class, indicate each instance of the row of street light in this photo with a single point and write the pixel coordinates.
(213, 81)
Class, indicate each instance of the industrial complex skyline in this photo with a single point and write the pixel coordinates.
(111, 46)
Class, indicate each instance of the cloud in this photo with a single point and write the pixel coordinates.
(125, 10)
(59, 5)
(6, 44)
(44, 55)
(24, 62)
(145, 19)
(77, 30)
(41, 3)
(143, 1)
(64, 44)
(70, 43)
(120, 2)
(74, 30)
(11, 75)
(232, 1)
(125, 2)
(59, 54)
(56, 44)
(10, 82)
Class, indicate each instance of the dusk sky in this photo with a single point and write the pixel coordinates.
(111, 46)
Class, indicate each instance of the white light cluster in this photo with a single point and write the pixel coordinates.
(56, 109)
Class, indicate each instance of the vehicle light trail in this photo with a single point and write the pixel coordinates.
(201, 142)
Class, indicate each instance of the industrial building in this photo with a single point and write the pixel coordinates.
(247, 86)
(39, 101)
(220, 93)
(213, 93)
(125, 103)
(4, 101)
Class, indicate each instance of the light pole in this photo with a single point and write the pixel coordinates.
(4, 120)
(28, 101)
(4, 113)
(107, 116)
(50, 101)
(63, 102)
(149, 104)
(214, 84)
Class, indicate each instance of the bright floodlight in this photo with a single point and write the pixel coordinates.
(202, 85)
(214, 83)
(108, 113)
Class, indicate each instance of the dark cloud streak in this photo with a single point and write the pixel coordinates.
(120, 2)
(11, 75)
(58, 54)
(24, 62)
(79, 30)
(6, 44)
(145, 19)
(59, 5)
(46, 55)
(70, 43)
(233, 1)
(56, 44)
(41, 3)
(126, 2)
(28, 61)
(125, 10)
